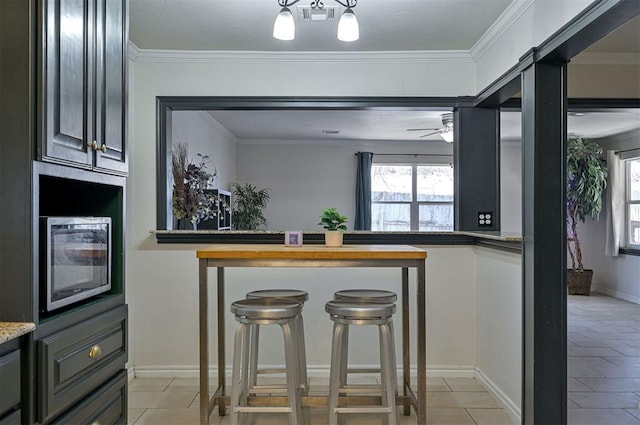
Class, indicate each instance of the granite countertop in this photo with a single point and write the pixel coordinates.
(11, 330)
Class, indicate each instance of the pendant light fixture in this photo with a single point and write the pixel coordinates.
(284, 28)
(348, 29)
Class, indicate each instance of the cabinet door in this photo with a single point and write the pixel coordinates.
(68, 75)
(111, 85)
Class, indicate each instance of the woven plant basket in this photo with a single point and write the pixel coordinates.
(579, 283)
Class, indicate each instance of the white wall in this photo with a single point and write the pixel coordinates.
(206, 136)
(499, 325)
(531, 27)
(167, 317)
(306, 176)
(511, 186)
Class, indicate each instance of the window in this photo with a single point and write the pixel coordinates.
(411, 197)
(633, 203)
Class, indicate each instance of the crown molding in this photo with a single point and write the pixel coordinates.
(595, 58)
(506, 20)
(185, 56)
(133, 51)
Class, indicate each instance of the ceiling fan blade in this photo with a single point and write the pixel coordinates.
(432, 133)
(422, 129)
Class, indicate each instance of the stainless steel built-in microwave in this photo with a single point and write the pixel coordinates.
(75, 259)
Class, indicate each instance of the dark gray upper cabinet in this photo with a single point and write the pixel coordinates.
(84, 84)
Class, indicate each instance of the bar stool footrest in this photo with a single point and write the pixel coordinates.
(262, 409)
(370, 409)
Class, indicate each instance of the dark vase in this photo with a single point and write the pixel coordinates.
(184, 224)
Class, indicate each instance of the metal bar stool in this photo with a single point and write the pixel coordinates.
(359, 313)
(363, 295)
(265, 311)
(289, 295)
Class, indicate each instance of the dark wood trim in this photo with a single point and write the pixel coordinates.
(501, 90)
(182, 103)
(588, 104)
(629, 251)
(381, 238)
(544, 115)
(593, 23)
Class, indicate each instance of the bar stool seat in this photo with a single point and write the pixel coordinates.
(368, 295)
(358, 312)
(264, 311)
(282, 294)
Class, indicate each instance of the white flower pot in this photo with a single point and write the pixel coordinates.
(333, 238)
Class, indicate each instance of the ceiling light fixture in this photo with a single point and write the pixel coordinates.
(447, 127)
(348, 28)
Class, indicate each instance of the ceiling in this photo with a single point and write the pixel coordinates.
(246, 25)
(426, 25)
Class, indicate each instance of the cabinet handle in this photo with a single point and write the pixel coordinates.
(96, 423)
(95, 352)
(103, 148)
(93, 145)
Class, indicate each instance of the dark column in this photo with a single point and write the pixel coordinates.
(544, 243)
(476, 153)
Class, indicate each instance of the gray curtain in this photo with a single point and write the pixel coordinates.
(362, 220)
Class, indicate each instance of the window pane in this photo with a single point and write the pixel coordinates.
(634, 180)
(391, 183)
(634, 224)
(435, 183)
(391, 217)
(436, 217)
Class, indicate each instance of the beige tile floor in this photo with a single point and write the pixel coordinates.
(603, 361)
(450, 401)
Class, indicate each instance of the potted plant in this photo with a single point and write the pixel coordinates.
(586, 182)
(248, 205)
(191, 201)
(333, 222)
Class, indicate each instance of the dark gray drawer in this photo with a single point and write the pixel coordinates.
(79, 359)
(10, 382)
(106, 406)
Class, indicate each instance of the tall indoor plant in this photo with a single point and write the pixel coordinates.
(586, 182)
(248, 205)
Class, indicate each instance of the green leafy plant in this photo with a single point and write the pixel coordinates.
(586, 182)
(248, 205)
(331, 219)
(190, 198)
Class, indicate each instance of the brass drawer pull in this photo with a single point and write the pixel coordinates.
(96, 423)
(93, 145)
(95, 352)
(103, 148)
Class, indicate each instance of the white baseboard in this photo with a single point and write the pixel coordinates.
(617, 294)
(314, 371)
(509, 406)
(131, 374)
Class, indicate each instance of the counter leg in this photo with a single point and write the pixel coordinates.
(422, 343)
(222, 367)
(204, 342)
(406, 348)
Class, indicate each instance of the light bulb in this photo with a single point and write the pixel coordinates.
(284, 28)
(447, 136)
(348, 29)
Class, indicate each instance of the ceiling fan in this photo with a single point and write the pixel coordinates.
(446, 131)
